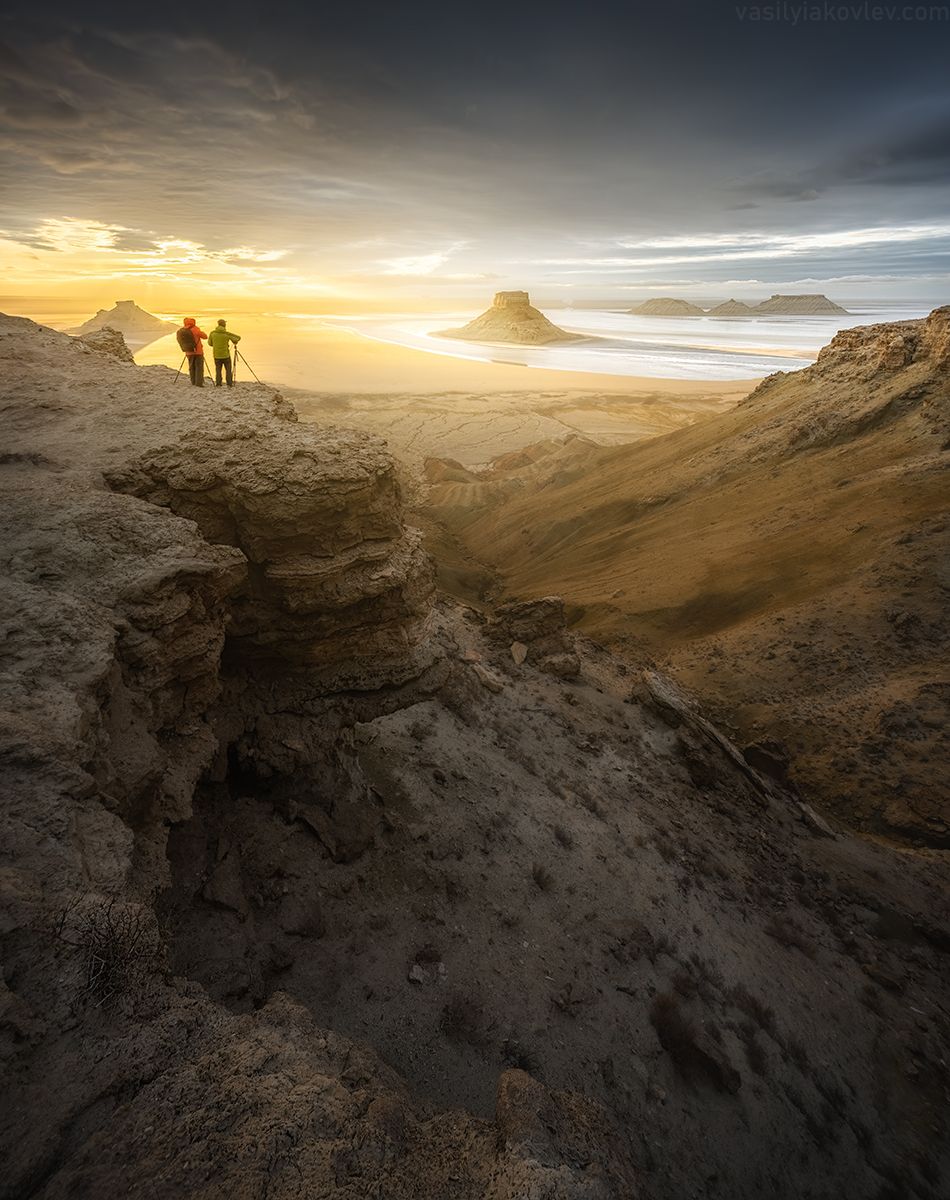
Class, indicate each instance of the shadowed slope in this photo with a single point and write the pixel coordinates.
(783, 558)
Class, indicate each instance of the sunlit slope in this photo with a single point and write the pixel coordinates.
(785, 558)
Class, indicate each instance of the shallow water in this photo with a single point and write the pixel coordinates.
(296, 349)
(713, 348)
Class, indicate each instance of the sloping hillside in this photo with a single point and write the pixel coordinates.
(786, 560)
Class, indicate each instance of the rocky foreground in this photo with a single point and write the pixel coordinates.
(315, 885)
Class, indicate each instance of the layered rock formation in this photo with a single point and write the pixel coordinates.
(791, 306)
(108, 341)
(802, 305)
(731, 308)
(144, 649)
(667, 306)
(137, 326)
(511, 318)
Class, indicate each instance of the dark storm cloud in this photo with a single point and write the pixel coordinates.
(315, 129)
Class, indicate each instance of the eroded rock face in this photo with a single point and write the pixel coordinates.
(336, 583)
(180, 581)
(891, 346)
(537, 632)
(115, 617)
(108, 341)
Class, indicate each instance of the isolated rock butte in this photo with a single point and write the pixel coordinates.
(804, 305)
(667, 306)
(511, 318)
(128, 318)
(731, 308)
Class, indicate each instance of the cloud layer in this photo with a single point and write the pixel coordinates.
(425, 148)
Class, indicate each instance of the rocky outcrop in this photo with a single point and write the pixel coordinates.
(108, 341)
(336, 584)
(869, 349)
(184, 588)
(667, 306)
(536, 631)
(511, 318)
(804, 305)
(126, 317)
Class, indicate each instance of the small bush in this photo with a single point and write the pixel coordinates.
(117, 945)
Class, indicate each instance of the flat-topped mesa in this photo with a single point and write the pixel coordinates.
(667, 306)
(126, 317)
(804, 305)
(511, 318)
(890, 346)
(510, 299)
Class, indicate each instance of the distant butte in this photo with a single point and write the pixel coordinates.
(667, 306)
(512, 318)
(814, 305)
(731, 308)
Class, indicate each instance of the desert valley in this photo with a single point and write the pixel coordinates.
(474, 674)
(517, 810)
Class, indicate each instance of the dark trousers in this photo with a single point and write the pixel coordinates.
(196, 369)
(226, 364)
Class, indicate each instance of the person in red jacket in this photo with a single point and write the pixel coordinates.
(196, 357)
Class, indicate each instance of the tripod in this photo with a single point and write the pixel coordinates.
(182, 363)
(239, 355)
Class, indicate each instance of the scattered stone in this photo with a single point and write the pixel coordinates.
(770, 757)
(108, 341)
(519, 652)
(815, 822)
(470, 656)
(564, 666)
(488, 678)
(416, 974)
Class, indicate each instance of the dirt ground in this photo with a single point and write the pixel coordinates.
(565, 876)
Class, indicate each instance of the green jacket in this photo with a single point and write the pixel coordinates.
(220, 341)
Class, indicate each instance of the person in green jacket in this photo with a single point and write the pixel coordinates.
(220, 340)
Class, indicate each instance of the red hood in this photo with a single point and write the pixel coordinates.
(188, 322)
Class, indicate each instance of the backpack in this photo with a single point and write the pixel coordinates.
(186, 340)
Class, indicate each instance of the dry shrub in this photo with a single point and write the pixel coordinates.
(117, 945)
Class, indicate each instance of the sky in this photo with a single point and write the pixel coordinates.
(407, 155)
